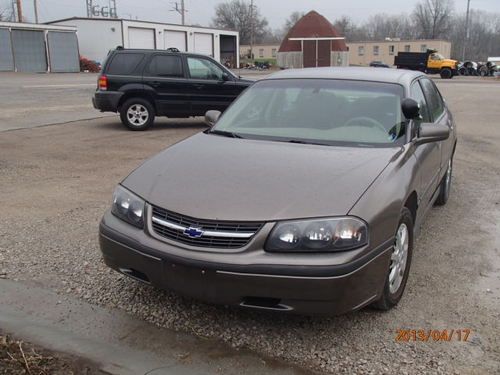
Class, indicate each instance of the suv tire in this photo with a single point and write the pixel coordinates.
(137, 114)
(401, 255)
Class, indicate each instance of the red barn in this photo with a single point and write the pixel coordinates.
(312, 42)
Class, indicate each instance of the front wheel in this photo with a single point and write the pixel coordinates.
(399, 267)
(137, 114)
(445, 186)
(446, 73)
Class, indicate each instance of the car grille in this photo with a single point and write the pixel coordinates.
(203, 233)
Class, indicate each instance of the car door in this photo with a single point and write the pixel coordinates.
(209, 85)
(165, 78)
(428, 154)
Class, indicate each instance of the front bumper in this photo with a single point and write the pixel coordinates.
(290, 288)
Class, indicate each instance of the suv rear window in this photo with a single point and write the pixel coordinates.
(166, 66)
(124, 63)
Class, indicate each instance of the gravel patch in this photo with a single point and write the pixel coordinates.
(57, 181)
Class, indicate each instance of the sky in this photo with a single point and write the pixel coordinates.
(202, 11)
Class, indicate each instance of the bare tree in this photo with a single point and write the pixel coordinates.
(381, 26)
(237, 15)
(292, 20)
(433, 18)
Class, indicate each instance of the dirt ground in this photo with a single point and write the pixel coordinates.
(18, 357)
(56, 182)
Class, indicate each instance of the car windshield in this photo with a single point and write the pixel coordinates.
(322, 111)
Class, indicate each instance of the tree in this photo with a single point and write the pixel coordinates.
(433, 18)
(237, 15)
(292, 20)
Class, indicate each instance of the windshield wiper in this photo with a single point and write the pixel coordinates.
(225, 133)
(299, 141)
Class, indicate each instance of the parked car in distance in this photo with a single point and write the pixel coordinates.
(379, 64)
(142, 84)
(304, 196)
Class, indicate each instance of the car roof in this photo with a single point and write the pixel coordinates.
(400, 76)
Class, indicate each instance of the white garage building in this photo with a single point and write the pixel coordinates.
(97, 36)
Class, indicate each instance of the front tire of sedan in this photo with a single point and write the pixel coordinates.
(445, 186)
(137, 114)
(399, 266)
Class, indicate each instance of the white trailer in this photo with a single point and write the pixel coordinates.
(98, 35)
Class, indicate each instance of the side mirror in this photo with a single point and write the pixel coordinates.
(410, 108)
(211, 117)
(429, 132)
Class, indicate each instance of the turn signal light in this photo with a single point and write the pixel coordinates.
(103, 83)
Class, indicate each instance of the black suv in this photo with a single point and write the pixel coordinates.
(142, 84)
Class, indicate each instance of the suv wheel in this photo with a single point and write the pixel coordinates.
(137, 114)
(399, 266)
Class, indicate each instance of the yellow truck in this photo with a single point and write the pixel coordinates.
(429, 62)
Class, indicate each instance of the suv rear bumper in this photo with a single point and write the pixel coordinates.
(106, 101)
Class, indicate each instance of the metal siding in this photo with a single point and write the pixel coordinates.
(175, 39)
(6, 57)
(204, 43)
(141, 38)
(63, 51)
(29, 50)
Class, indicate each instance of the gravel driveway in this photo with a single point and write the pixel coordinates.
(56, 182)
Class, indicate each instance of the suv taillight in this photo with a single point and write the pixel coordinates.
(103, 83)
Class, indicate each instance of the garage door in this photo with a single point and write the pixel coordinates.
(175, 39)
(203, 43)
(6, 57)
(141, 38)
(63, 52)
(29, 50)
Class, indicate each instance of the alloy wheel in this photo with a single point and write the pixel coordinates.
(399, 257)
(137, 115)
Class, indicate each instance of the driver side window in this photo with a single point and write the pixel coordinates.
(204, 69)
(418, 95)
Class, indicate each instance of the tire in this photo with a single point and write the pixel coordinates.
(446, 73)
(137, 114)
(402, 251)
(445, 185)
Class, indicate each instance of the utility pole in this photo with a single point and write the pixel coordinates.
(181, 10)
(252, 27)
(466, 37)
(35, 5)
(19, 11)
(13, 15)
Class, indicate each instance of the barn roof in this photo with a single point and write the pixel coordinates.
(312, 25)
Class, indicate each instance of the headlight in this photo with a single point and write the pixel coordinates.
(128, 207)
(321, 235)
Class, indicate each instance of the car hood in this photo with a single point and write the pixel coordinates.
(213, 177)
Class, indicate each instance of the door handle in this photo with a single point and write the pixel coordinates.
(198, 86)
(155, 83)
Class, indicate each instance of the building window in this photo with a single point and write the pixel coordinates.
(407, 48)
(375, 50)
(273, 52)
(361, 50)
(391, 50)
(423, 48)
(261, 52)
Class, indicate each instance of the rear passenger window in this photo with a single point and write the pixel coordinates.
(434, 100)
(124, 63)
(417, 94)
(166, 66)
